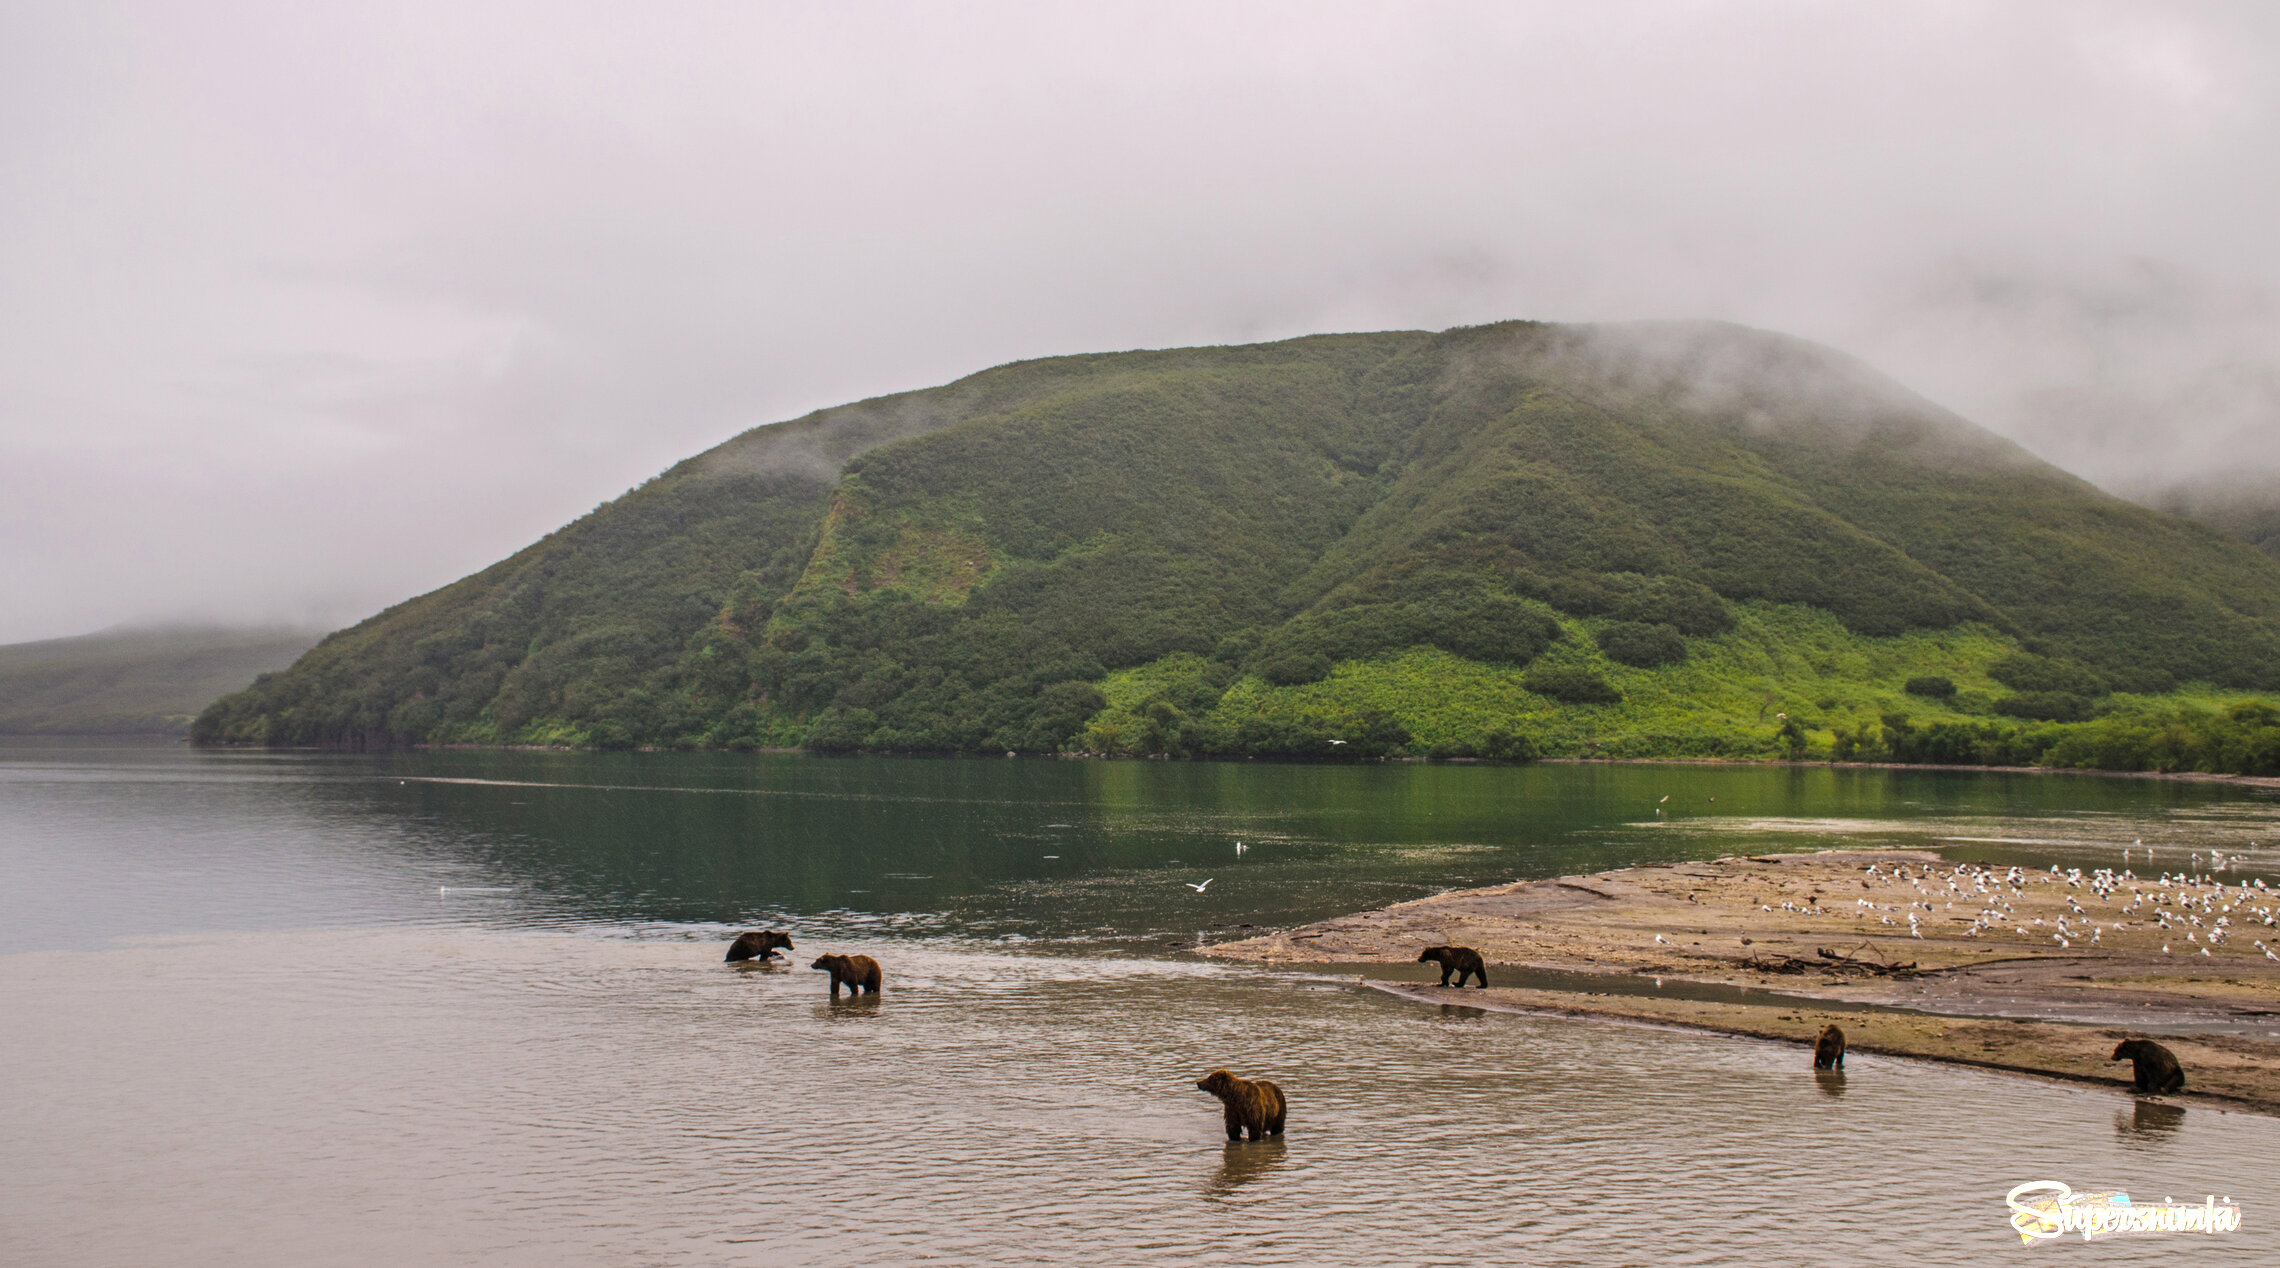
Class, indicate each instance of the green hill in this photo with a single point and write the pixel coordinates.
(1658, 539)
(133, 682)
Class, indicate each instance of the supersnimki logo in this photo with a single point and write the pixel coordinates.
(2044, 1209)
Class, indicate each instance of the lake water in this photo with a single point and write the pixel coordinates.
(470, 1008)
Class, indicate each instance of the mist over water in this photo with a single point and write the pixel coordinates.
(470, 1007)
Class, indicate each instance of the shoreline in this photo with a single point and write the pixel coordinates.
(1948, 1044)
(2191, 777)
(1703, 945)
(2182, 776)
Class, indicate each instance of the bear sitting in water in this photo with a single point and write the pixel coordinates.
(858, 973)
(758, 946)
(1829, 1049)
(1462, 961)
(2156, 1067)
(1252, 1104)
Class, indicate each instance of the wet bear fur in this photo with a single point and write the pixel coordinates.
(1829, 1049)
(758, 946)
(2156, 1066)
(858, 973)
(1253, 1105)
(1462, 961)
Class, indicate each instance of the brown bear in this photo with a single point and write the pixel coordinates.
(1829, 1049)
(758, 946)
(1462, 961)
(1251, 1103)
(858, 973)
(2156, 1066)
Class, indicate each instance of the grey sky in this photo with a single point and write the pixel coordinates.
(304, 310)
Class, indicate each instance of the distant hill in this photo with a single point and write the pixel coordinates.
(1647, 540)
(139, 682)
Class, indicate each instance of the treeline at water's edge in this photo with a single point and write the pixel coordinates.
(2240, 739)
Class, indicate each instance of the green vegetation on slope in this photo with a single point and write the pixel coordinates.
(1787, 682)
(1331, 547)
(133, 682)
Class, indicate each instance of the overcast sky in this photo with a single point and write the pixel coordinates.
(305, 310)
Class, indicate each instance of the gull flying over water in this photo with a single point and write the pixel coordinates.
(1199, 888)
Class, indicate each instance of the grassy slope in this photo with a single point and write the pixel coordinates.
(138, 682)
(959, 568)
(1725, 700)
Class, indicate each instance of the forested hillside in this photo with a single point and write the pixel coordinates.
(1677, 539)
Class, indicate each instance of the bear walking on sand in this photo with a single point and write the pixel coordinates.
(758, 946)
(1252, 1104)
(858, 973)
(2156, 1066)
(1829, 1049)
(1462, 961)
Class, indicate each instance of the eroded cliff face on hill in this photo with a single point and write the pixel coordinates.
(1249, 533)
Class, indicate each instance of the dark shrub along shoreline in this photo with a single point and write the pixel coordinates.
(2242, 740)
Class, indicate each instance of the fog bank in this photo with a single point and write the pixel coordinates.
(304, 310)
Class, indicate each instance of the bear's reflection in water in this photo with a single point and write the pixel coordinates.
(2150, 1119)
(1832, 1082)
(849, 1009)
(1239, 1164)
(1462, 1012)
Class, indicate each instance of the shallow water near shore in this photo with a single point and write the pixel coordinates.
(303, 1009)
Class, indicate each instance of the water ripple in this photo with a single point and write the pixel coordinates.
(499, 1097)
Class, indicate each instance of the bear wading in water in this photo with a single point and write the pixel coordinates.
(1829, 1049)
(1462, 961)
(1252, 1104)
(2156, 1066)
(858, 973)
(758, 946)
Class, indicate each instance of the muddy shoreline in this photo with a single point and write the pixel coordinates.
(2037, 973)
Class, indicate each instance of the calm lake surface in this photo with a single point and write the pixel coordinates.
(470, 1008)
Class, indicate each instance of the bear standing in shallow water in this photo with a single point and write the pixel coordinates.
(858, 973)
(758, 946)
(1252, 1104)
(1829, 1049)
(1462, 961)
(2156, 1067)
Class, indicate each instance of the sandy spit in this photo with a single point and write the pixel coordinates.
(2039, 973)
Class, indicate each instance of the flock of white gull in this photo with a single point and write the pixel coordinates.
(2203, 907)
